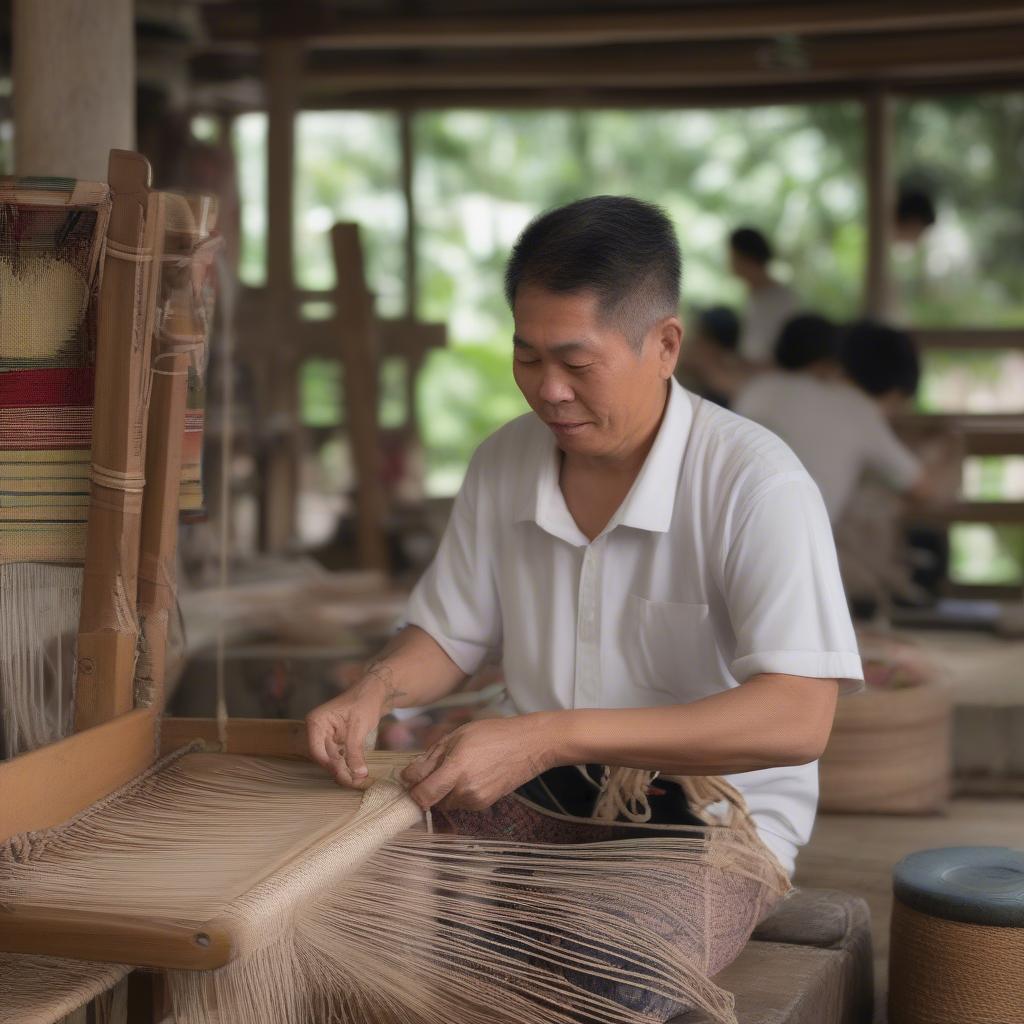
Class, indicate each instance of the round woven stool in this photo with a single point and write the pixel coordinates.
(956, 952)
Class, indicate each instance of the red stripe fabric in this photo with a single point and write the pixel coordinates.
(21, 389)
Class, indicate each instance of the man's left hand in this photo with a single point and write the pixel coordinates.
(479, 763)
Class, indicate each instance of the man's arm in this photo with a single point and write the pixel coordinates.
(769, 721)
(410, 671)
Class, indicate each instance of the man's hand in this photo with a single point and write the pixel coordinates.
(338, 730)
(480, 762)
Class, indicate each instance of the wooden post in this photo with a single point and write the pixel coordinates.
(74, 79)
(281, 477)
(414, 362)
(880, 204)
(108, 628)
(358, 334)
(180, 339)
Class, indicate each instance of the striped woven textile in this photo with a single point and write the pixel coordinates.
(51, 240)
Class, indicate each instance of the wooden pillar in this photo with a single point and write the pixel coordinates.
(281, 469)
(357, 329)
(880, 203)
(74, 85)
(414, 363)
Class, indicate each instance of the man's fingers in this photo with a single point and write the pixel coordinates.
(354, 752)
(318, 736)
(416, 771)
(435, 787)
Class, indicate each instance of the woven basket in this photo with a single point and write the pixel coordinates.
(891, 750)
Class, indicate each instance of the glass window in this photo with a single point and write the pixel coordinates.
(348, 167)
(966, 152)
(249, 138)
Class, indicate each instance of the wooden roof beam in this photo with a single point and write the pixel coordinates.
(238, 24)
(894, 58)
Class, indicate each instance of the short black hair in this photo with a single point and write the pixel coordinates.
(721, 325)
(805, 339)
(879, 358)
(751, 243)
(622, 249)
(915, 206)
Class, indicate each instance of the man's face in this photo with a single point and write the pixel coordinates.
(597, 394)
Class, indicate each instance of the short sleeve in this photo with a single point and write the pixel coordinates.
(783, 590)
(887, 456)
(456, 599)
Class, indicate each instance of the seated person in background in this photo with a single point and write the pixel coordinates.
(838, 427)
(915, 214)
(769, 304)
(708, 357)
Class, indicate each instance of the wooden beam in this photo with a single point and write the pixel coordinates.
(239, 25)
(936, 54)
(259, 737)
(113, 938)
(355, 324)
(395, 337)
(48, 786)
(972, 512)
(975, 339)
(280, 475)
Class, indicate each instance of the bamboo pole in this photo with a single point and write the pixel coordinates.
(108, 626)
(181, 338)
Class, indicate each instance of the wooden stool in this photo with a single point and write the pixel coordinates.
(957, 937)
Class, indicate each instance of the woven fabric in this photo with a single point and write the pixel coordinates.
(51, 238)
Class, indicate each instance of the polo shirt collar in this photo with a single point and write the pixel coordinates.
(651, 500)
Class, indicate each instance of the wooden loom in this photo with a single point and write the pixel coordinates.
(130, 550)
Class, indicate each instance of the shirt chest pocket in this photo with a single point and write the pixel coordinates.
(670, 648)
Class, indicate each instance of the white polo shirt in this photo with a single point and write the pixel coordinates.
(719, 565)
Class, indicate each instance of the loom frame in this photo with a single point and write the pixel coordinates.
(131, 543)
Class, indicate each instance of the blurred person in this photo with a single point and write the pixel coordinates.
(914, 215)
(770, 303)
(883, 561)
(837, 425)
(708, 363)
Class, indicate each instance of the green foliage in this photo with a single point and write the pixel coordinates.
(796, 172)
(347, 168)
(983, 553)
(969, 151)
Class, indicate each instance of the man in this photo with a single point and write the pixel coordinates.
(770, 303)
(658, 573)
(837, 426)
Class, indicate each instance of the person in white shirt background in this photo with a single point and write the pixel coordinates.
(838, 423)
(657, 573)
(770, 303)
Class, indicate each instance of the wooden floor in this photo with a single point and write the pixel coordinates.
(856, 853)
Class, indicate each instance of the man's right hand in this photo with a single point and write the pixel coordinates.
(338, 730)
